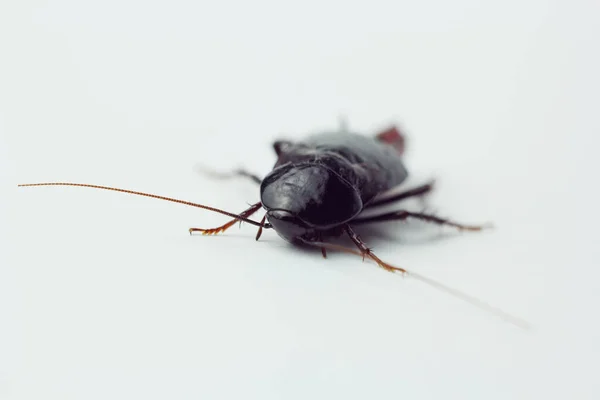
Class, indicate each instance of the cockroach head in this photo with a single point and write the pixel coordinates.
(304, 199)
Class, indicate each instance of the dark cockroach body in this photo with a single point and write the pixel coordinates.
(319, 187)
(326, 181)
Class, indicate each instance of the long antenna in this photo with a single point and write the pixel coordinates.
(154, 196)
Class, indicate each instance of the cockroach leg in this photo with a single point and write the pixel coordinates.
(404, 215)
(414, 192)
(260, 228)
(246, 174)
(246, 213)
(367, 252)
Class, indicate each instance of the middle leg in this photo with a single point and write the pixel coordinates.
(414, 192)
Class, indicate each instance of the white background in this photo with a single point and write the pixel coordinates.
(104, 295)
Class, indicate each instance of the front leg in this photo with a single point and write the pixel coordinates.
(367, 252)
(246, 213)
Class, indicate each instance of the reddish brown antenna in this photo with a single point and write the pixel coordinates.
(154, 196)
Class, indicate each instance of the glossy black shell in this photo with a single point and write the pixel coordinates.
(328, 179)
(371, 166)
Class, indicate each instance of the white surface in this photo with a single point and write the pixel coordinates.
(104, 295)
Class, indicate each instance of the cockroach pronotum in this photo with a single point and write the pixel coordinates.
(318, 189)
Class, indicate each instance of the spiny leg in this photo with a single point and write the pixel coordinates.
(414, 192)
(344, 249)
(367, 252)
(213, 231)
(404, 215)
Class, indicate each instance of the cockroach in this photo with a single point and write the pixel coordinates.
(319, 188)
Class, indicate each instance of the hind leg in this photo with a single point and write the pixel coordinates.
(414, 192)
(404, 215)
